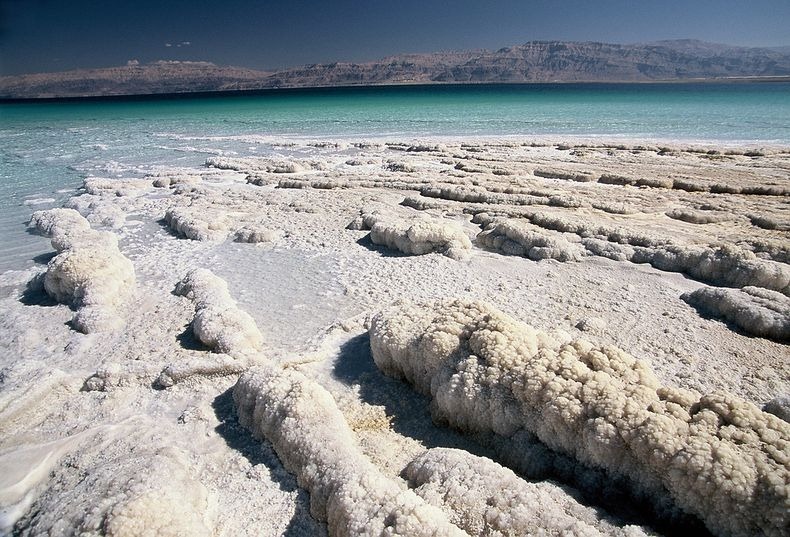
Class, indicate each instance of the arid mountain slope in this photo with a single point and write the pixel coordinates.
(537, 61)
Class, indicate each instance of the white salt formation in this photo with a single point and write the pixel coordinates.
(723, 264)
(149, 493)
(756, 311)
(218, 322)
(99, 186)
(590, 417)
(196, 224)
(256, 234)
(521, 238)
(418, 236)
(171, 180)
(313, 440)
(485, 498)
(261, 164)
(89, 272)
(716, 456)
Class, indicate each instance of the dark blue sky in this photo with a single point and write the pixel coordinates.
(51, 35)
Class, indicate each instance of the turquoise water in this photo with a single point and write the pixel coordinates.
(46, 149)
(743, 112)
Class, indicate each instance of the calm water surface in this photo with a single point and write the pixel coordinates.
(46, 149)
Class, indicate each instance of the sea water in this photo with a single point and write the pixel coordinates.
(48, 148)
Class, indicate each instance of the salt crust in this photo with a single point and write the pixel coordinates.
(485, 498)
(756, 311)
(621, 242)
(521, 238)
(688, 185)
(196, 224)
(414, 235)
(149, 493)
(716, 456)
(89, 272)
(721, 264)
(218, 322)
(313, 440)
(421, 236)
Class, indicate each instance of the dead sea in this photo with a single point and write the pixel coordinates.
(344, 337)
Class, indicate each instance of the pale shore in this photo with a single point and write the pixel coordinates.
(122, 412)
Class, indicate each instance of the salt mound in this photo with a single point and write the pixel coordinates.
(757, 311)
(196, 225)
(521, 238)
(698, 217)
(148, 493)
(58, 221)
(256, 234)
(171, 180)
(720, 264)
(89, 272)
(724, 264)
(263, 164)
(218, 322)
(485, 498)
(98, 186)
(715, 456)
(313, 440)
(418, 236)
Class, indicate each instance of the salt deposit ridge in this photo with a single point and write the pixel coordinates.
(432, 337)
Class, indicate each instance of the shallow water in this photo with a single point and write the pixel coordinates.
(46, 149)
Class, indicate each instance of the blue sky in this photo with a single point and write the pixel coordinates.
(50, 35)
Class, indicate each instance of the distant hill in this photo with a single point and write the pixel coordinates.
(536, 61)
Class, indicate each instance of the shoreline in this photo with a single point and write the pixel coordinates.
(306, 246)
(310, 142)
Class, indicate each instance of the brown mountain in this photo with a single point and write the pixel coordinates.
(537, 61)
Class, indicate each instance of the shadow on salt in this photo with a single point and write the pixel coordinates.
(408, 409)
(259, 452)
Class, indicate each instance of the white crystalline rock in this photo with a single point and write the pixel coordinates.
(313, 440)
(114, 187)
(698, 217)
(218, 322)
(58, 221)
(418, 236)
(89, 272)
(256, 234)
(521, 238)
(197, 224)
(165, 181)
(611, 250)
(98, 210)
(221, 365)
(144, 494)
(716, 456)
(720, 264)
(757, 311)
(485, 498)
(170, 503)
(724, 264)
(264, 164)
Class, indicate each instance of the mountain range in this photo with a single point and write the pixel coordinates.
(532, 62)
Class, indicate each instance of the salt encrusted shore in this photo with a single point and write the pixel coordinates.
(233, 329)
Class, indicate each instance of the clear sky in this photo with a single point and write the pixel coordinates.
(54, 35)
